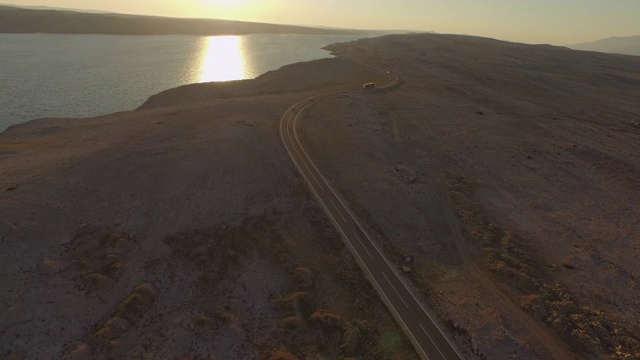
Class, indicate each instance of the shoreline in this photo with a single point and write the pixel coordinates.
(60, 97)
(483, 164)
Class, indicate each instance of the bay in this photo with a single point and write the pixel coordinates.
(49, 75)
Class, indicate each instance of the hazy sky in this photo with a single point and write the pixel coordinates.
(533, 21)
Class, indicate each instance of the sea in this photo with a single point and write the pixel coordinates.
(77, 76)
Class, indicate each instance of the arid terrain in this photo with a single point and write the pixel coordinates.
(182, 230)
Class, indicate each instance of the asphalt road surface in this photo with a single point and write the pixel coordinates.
(424, 333)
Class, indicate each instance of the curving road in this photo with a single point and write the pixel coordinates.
(427, 338)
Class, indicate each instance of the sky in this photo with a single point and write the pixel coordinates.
(559, 22)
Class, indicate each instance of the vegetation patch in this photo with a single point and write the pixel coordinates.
(218, 250)
(203, 321)
(303, 328)
(128, 314)
(390, 341)
(280, 354)
(137, 304)
(297, 304)
(101, 254)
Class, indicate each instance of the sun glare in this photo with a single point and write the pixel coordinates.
(227, 9)
(223, 59)
(225, 3)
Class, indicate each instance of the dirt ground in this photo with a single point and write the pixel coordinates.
(182, 230)
(512, 173)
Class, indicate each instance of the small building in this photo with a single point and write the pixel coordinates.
(369, 85)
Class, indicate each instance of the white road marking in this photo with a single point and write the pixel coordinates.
(434, 344)
(394, 289)
(305, 165)
(293, 138)
(338, 210)
(361, 243)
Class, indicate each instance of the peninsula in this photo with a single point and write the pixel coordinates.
(508, 172)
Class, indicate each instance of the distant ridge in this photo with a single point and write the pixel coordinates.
(629, 45)
(22, 20)
(42, 7)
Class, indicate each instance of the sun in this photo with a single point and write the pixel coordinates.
(225, 3)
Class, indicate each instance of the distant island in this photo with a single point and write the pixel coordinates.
(20, 20)
(629, 45)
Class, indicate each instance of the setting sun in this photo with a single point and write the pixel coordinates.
(225, 3)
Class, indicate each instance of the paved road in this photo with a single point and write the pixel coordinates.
(428, 339)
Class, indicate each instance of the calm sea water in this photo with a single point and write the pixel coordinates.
(45, 75)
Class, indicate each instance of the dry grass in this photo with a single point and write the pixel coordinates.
(100, 254)
(280, 354)
(129, 313)
(587, 329)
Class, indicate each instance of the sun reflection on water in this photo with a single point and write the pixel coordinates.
(223, 59)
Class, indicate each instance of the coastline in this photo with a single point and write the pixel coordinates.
(484, 163)
(88, 85)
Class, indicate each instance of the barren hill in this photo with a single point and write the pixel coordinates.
(629, 45)
(182, 229)
(511, 171)
(19, 20)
